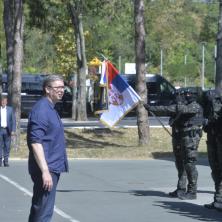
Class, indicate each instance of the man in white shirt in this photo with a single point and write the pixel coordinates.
(7, 129)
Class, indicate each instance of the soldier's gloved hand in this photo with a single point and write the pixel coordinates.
(180, 108)
(147, 106)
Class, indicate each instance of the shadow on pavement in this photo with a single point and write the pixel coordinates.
(182, 208)
(148, 193)
(190, 210)
(160, 193)
(133, 192)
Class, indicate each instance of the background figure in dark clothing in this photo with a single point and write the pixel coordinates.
(186, 122)
(7, 130)
(212, 104)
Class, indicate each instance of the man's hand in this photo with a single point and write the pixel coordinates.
(39, 155)
(47, 180)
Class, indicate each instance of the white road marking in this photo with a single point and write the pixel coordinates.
(19, 187)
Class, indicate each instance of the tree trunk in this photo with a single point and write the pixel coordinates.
(14, 28)
(1, 73)
(142, 116)
(81, 62)
(9, 34)
(218, 82)
(17, 68)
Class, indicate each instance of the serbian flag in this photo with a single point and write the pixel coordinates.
(103, 80)
(121, 97)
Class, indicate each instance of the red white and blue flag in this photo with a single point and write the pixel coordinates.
(121, 96)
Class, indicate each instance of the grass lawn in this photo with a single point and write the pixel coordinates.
(112, 144)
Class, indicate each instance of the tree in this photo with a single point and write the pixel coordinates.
(49, 26)
(14, 28)
(9, 34)
(218, 84)
(1, 42)
(76, 15)
(142, 117)
(56, 8)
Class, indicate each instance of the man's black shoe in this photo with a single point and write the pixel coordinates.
(187, 196)
(176, 193)
(6, 165)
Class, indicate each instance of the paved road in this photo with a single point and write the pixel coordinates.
(110, 191)
(95, 123)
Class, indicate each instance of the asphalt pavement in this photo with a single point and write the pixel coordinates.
(110, 191)
(93, 122)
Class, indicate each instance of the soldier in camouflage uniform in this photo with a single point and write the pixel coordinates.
(186, 122)
(212, 104)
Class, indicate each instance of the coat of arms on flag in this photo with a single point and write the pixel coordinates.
(121, 97)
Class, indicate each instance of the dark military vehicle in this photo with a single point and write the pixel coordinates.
(160, 91)
(31, 92)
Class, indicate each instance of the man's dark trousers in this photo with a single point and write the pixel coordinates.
(5, 142)
(42, 201)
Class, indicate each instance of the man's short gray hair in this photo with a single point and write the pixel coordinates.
(49, 79)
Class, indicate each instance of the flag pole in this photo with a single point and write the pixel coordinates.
(158, 119)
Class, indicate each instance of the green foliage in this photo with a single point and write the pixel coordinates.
(2, 37)
(111, 31)
(39, 52)
(53, 19)
(178, 28)
(65, 49)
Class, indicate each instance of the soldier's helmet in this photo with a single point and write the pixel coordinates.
(211, 94)
(215, 93)
(191, 94)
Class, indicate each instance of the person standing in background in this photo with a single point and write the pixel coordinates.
(47, 149)
(212, 105)
(7, 130)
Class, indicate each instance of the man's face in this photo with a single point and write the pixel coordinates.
(55, 91)
(4, 102)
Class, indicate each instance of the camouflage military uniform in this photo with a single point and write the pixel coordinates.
(186, 121)
(212, 112)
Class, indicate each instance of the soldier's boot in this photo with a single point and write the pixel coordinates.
(217, 204)
(192, 175)
(191, 193)
(218, 190)
(177, 193)
(214, 205)
(188, 196)
(181, 185)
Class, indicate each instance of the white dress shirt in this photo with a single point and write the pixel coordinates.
(3, 117)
